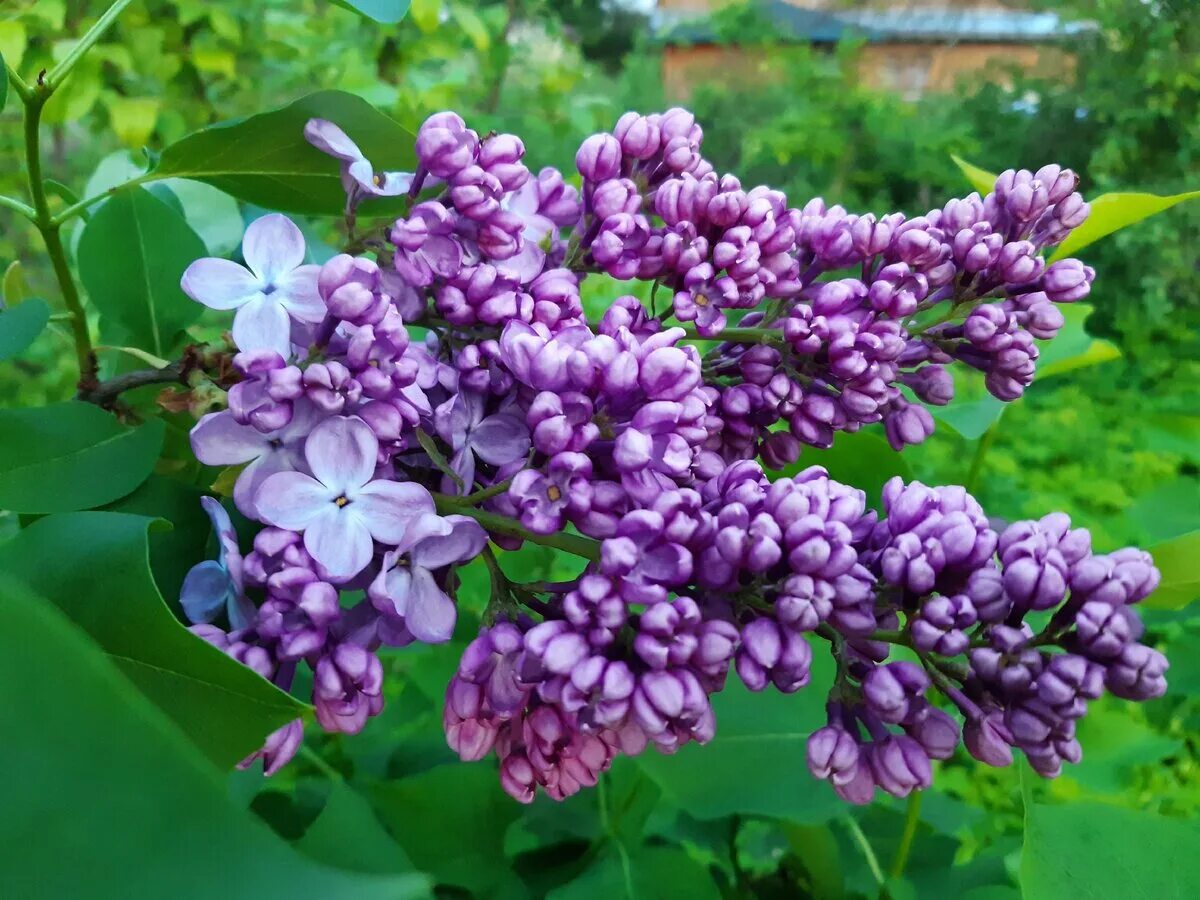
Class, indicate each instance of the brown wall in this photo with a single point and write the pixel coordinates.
(909, 69)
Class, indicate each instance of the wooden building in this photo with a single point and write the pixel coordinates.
(908, 46)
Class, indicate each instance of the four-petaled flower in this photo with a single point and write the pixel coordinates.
(359, 177)
(268, 292)
(498, 439)
(341, 508)
(406, 587)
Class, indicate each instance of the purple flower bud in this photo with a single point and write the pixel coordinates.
(833, 755)
(1137, 674)
(900, 765)
(891, 690)
(1068, 280)
(988, 740)
(599, 158)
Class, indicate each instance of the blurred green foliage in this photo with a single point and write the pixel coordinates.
(1117, 444)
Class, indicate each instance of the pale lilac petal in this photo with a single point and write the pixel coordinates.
(293, 500)
(526, 264)
(429, 613)
(219, 283)
(263, 324)
(251, 478)
(500, 439)
(272, 247)
(297, 292)
(427, 525)
(338, 539)
(465, 541)
(462, 464)
(389, 507)
(397, 585)
(341, 453)
(219, 440)
(328, 138)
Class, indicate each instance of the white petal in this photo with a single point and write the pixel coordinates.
(388, 507)
(263, 324)
(297, 292)
(219, 283)
(272, 247)
(342, 453)
(339, 540)
(293, 500)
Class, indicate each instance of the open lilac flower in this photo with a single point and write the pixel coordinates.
(341, 508)
(406, 586)
(358, 175)
(219, 440)
(216, 585)
(268, 292)
(498, 439)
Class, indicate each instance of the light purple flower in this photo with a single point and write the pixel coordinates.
(341, 507)
(217, 584)
(268, 292)
(219, 440)
(358, 175)
(406, 586)
(498, 439)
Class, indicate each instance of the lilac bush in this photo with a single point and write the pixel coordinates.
(380, 458)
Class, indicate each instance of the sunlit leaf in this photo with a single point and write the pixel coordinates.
(1073, 348)
(980, 179)
(386, 12)
(1112, 212)
(1179, 562)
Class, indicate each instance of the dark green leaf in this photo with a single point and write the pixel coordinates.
(94, 566)
(641, 874)
(1112, 212)
(131, 256)
(386, 12)
(266, 160)
(347, 835)
(816, 847)
(1115, 740)
(20, 325)
(755, 764)
(113, 802)
(71, 456)
(471, 811)
(1179, 561)
(1091, 850)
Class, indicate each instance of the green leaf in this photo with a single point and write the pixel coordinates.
(816, 847)
(3, 83)
(131, 256)
(971, 418)
(755, 764)
(1112, 212)
(20, 326)
(1116, 740)
(980, 179)
(1091, 850)
(71, 456)
(645, 873)
(211, 213)
(347, 835)
(385, 12)
(1179, 561)
(426, 13)
(266, 160)
(107, 799)
(471, 811)
(472, 25)
(94, 566)
(862, 460)
(13, 290)
(1073, 348)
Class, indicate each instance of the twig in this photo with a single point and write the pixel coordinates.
(105, 393)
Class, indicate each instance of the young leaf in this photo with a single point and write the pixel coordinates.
(1073, 348)
(266, 160)
(1087, 850)
(385, 12)
(112, 800)
(972, 418)
(94, 566)
(1112, 212)
(20, 326)
(980, 179)
(71, 456)
(1179, 561)
(131, 256)
(427, 14)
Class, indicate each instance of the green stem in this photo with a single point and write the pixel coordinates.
(912, 817)
(571, 543)
(35, 102)
(436, 457)
(70, 212)
(18, 83)
(487, 493)
(17, 206)
(56, 75)
(868, 853)
(981, 449)
(734, 335)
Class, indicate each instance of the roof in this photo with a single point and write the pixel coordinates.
(890, 25)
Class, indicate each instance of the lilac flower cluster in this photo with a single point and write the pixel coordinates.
(377, 458)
